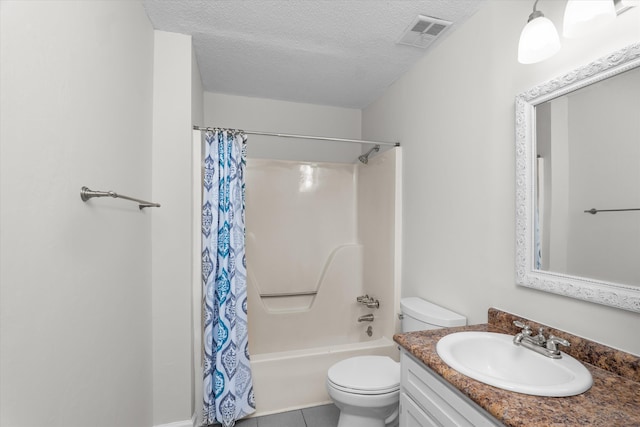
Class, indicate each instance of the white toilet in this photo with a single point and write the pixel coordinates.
(366, 389)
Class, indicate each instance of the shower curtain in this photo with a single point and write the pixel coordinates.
(228, 389)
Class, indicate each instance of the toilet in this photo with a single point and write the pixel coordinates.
(366, 389)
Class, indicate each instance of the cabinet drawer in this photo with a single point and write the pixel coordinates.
(438, 399)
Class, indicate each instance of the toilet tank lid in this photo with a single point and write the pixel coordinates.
(428, 312)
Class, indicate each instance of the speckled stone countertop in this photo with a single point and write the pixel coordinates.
(613, 400)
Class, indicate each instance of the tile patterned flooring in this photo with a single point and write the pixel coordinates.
(317, 416)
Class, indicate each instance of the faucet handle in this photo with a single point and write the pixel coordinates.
(553, 341)
(372, 303)
(526, 329)
(363, 299)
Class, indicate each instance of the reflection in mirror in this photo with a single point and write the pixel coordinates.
(588, 157)
(578, 149)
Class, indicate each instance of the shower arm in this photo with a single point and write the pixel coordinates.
(375, 148)
(364, 158)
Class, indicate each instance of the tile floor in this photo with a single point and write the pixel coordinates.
(317, 416)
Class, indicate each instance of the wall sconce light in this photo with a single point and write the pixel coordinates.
(584, 16)
(539, 39)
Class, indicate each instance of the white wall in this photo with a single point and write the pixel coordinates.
(454, 114)
(174, 108)
(75, 278)
(268, 115)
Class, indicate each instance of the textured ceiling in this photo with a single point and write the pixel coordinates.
(328, 52)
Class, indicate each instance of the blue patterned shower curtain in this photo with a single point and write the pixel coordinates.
(228, 388)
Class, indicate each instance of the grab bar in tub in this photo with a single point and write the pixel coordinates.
(288, 294)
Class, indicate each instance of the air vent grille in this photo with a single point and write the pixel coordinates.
(421, 26)
(423, 31)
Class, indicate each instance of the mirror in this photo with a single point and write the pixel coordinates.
(578, 183)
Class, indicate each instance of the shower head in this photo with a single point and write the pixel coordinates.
(365, 157)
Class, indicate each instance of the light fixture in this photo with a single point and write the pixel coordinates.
(583, 16)
(539, 39)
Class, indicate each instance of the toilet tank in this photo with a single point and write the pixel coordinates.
(420, 315)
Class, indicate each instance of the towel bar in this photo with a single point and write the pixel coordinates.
(86, 194)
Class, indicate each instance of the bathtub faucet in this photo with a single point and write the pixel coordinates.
(366, 318)
(368, 301)
(363, 299)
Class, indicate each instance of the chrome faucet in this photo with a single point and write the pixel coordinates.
(366, 318)
(539, 343)
(362, 299)
(368, 301)
(553, 341)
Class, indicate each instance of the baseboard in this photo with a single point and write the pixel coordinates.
(288, 408)
(185, 423)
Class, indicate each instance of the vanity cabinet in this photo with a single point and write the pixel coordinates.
(427, 400)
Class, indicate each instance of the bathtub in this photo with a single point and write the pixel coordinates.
(284, 381)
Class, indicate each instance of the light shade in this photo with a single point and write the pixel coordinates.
(538, 41)
(583, 16)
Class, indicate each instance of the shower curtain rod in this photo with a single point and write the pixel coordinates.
(288, 135)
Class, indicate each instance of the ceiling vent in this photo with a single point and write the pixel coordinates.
(423, 31)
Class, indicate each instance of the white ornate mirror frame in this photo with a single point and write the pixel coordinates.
(597, 291)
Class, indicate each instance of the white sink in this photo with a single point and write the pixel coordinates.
(493, 359)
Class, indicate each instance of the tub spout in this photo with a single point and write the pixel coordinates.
(366, 318)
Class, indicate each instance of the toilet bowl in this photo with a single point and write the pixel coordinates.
(366, 389)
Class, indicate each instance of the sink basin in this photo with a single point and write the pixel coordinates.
(493, 359)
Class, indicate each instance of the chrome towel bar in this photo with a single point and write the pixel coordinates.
(86, 194)
(594, 211)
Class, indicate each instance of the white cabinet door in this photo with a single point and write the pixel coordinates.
(412, 416)
(443, 404)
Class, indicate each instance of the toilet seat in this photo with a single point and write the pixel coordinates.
(362, 392)
(365, 375)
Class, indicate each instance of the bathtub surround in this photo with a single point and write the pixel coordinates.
(318, 235)
(303, 256)
(613, 400)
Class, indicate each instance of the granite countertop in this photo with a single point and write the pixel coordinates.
(613, 400)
